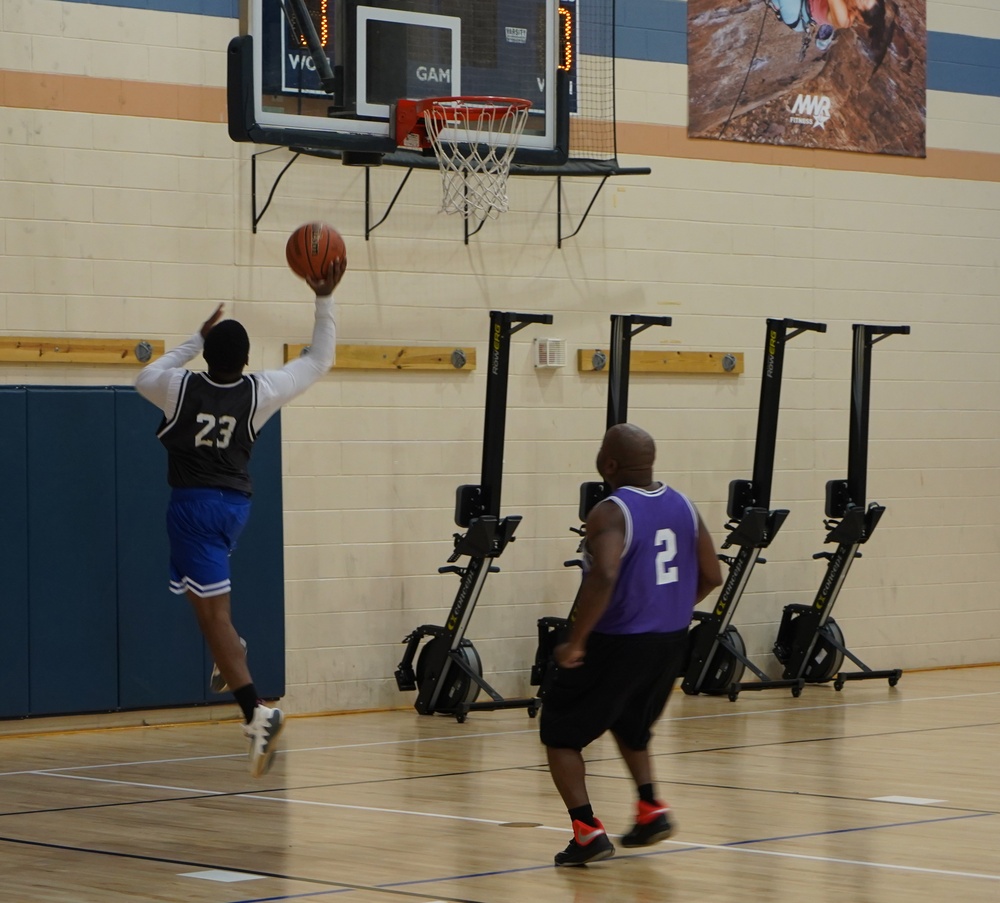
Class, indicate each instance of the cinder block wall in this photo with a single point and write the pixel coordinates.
(126, 211)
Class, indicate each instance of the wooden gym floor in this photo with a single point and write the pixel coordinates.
(869, 795)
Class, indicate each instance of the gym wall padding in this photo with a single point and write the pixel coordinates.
(258, 568)
(156, 633)
(13, 555)
(71, 551)
(89, 624)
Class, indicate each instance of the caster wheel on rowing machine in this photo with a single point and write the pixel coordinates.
(826, 658)
(838, 685)
(733, 695)
(460, 718)
(893, 681)
(725, 668)
(458, 689)
(532, 711)
(796, 692)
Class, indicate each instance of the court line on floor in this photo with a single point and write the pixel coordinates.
(397, 742)
(204, 793)
(397, 887)
(243, 755)
(743, 846)
(334, 887)
(196, 792)
(209, 794)
(436, 815)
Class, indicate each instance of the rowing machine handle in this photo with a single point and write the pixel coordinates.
(545, 319)
(805, 324)
(889, 330)
(649, 320)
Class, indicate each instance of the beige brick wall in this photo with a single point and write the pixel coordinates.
(124, 226)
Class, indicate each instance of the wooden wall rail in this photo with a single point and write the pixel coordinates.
(726, 363)
(68, 350)
(397, 357)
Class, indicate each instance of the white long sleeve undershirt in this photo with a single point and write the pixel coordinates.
(160, 381)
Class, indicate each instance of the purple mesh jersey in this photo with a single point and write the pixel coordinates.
(658, 579)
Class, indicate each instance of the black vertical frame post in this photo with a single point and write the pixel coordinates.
(484, 499)
(619, 360)
(861, 382)
(866, 336)
(777, 337)
(620, 353)
(495, 414)
(767, 418)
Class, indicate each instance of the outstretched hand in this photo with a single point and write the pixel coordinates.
(211, 321)
(329, 282)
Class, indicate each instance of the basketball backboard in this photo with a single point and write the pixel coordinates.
(367, 55)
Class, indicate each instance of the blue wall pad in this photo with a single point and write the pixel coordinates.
(259, 570)
(160, 647)
(71, 551)
(89, 623)
(14, 554)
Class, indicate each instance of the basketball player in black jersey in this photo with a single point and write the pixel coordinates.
(210, 422)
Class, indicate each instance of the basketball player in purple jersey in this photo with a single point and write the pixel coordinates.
(210, 422)
(648, 560)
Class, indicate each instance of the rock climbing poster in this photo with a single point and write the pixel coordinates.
(833, 74)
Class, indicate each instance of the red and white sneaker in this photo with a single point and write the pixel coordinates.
(590, 843)
(652, 824)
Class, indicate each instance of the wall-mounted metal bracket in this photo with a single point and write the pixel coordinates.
(257, 217)
(604, 169)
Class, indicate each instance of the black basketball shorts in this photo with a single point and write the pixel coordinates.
(622, 686)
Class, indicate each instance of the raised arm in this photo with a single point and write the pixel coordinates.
(159, 380)
(277, 387)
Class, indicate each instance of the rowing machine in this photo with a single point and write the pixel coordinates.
(449, 673)
(810, 643)
(717, 652)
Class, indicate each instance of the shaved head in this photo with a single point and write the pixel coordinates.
(626, 456)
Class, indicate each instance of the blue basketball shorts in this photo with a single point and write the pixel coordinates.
(203, 526)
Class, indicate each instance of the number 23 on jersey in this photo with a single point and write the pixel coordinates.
(223, 429)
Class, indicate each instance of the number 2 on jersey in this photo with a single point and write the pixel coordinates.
(668, 539)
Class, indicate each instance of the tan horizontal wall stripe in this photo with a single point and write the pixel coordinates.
(672, 141)
(117, 97)
(112, 96)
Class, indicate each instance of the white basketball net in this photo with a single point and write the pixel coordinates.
(475, 157)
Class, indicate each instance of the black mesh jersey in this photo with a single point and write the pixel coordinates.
(210, 436)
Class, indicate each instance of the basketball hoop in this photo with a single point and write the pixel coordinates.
(474, 140)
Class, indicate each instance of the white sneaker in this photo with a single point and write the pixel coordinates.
(217, 683)
(262, 732)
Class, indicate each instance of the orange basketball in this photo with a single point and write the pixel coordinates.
(312, 248)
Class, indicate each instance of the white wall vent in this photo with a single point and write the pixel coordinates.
(550, 352)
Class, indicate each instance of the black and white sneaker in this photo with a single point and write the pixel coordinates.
(217, 683)
(590, 843)
(262, 732)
